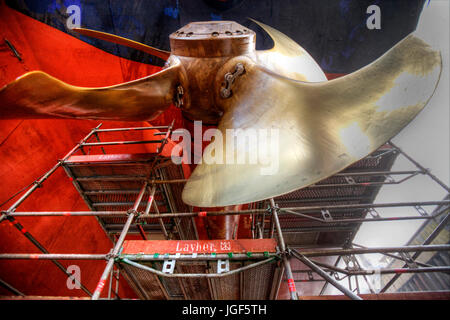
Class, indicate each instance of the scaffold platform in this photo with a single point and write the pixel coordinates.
(111, 183)
(298, 237)
(203, 269)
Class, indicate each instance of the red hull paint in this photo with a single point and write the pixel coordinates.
(28, 148)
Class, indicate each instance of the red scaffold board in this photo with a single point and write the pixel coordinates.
(107, 158)
(198, 246)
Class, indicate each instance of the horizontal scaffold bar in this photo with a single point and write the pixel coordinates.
(223, 256)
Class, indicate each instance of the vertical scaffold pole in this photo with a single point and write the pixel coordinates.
(287, 266)
(132, 213)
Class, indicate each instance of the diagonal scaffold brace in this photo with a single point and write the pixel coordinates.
(132, 213)
(287, 266)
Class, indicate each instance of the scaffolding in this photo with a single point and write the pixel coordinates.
(140, 194)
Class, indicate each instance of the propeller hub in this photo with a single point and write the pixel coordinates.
(208, 39)
(203, 48)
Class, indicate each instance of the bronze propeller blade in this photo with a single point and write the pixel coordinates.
(123, 41)
(322, 127)
(308, 128)
(38, 95)
(288, 58)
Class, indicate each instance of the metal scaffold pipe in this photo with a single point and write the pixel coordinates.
(377, 219)
(362, 272)
(306, 253)
(115, 251)
(115, 143)
(52, 256)
(135, 257)
(326, 276)
(9, 287)
(444, 269)
(344, 252)
(418, 165)
(287, 266)
(427, 241)
(133, 129)
(197, 275)
(287, 210)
